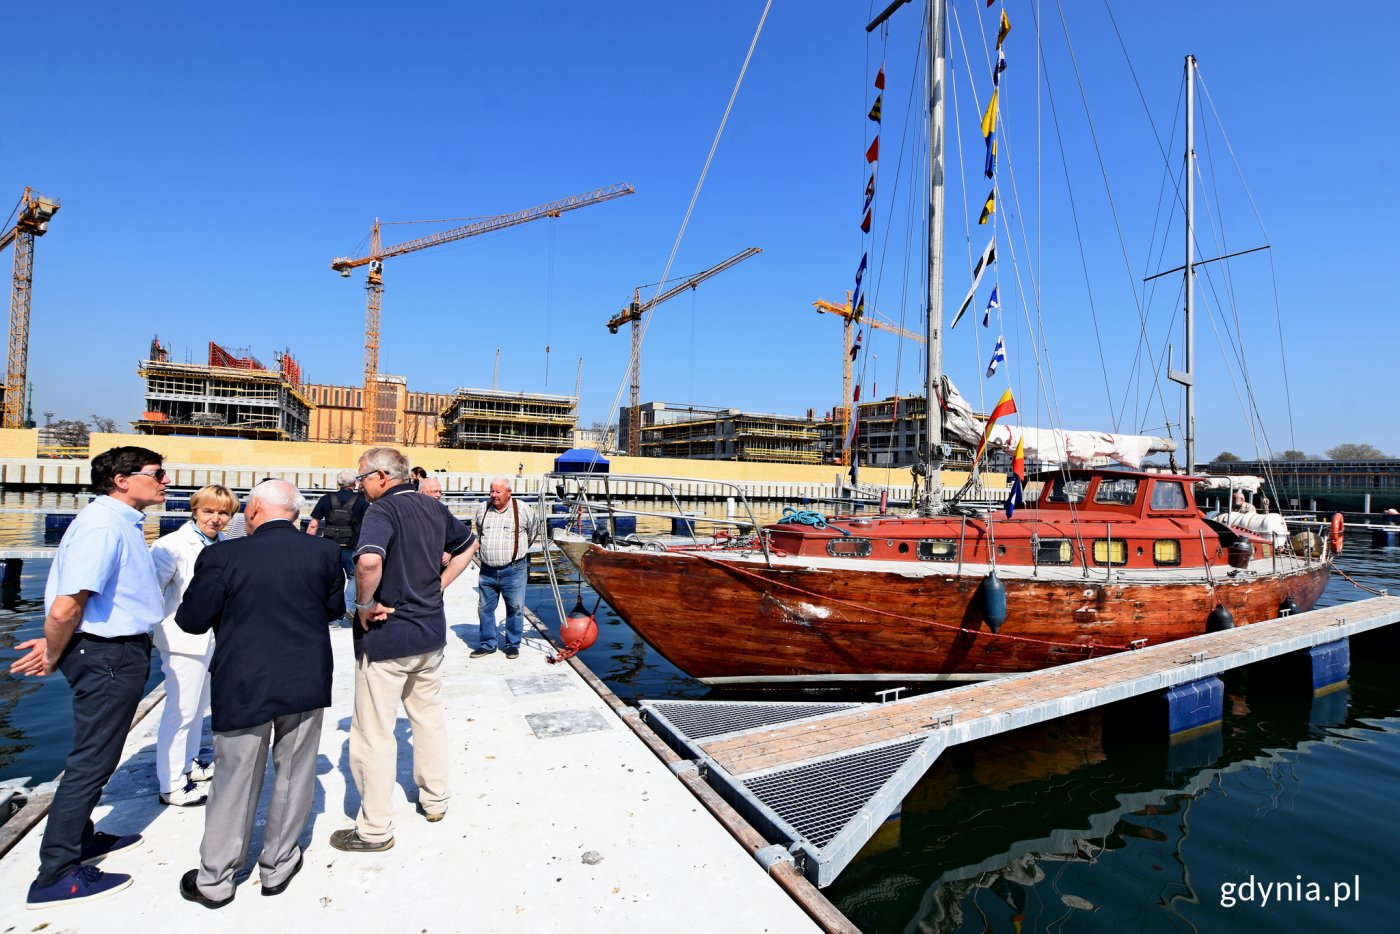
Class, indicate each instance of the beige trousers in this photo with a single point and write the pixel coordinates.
(416, 680)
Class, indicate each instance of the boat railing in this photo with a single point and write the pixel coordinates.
(593, 501)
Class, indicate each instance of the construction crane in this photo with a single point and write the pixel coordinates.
(35, 212)
(848, 314)
(374, 286)
(633, 313)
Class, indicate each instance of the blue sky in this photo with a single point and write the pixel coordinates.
(213, 160)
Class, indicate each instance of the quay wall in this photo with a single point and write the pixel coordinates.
(241, 463)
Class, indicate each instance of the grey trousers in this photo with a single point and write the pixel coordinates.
(240, 759)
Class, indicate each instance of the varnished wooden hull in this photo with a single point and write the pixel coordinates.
(732, 623)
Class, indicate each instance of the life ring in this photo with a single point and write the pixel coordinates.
(1338, 532)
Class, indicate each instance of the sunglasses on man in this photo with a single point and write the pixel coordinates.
(158, 475)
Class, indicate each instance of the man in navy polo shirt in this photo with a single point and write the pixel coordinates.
(401, 635)
(101, 603)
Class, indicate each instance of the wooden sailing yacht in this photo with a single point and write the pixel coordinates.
(1104, 560)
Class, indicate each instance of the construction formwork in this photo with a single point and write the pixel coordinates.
(493, 420)
(706, 433)
(238, 401)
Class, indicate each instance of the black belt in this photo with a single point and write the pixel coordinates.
(497, 567)
(146, 636)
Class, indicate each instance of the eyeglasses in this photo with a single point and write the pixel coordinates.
(158, 475)
(367, 473)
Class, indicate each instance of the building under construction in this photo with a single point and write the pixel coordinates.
(493, 420)
(230, 397)
(405, 417)
(706, 433)
(892, 433)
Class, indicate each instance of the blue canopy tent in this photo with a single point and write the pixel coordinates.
(580, 460)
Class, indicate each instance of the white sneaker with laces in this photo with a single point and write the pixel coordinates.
(190, 796)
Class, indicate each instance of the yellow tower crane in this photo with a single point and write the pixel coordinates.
(35, 212)
(848, 314)
(374, 286)
(633, 313)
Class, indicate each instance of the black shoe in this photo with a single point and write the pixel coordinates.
(102, 844)
(190, 892)
(512, 651)
(482, 653)
(281, 887)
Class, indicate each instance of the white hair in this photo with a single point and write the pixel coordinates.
(503, 481)
(346, 478)
(278, 495)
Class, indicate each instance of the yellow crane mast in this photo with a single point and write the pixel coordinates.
(633, 313)
(35, 212)
(847, 313)
(374, 285)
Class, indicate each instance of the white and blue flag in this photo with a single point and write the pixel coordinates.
(998, 357)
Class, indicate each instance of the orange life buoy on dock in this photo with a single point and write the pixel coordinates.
(1339, 526)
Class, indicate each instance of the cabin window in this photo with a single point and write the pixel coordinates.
(1054, 551)
(849, 548)
(1110, 551)
(1168, 494)
(1166, 552)
(938, 549)
(1119, 491)
(1068, 491)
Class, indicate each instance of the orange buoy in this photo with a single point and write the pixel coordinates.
(1339, 526)
(577, 632)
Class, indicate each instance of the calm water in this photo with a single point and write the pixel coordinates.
(1057, 828)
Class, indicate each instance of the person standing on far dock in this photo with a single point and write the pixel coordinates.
(184, 658)
(268, 598)
(401, 635)
(507, 527)
(337, 517)
(101, 603)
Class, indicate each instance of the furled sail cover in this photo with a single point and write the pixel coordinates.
(1048, 445)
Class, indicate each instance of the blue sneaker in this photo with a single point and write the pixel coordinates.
(103, 844)
(80, 884)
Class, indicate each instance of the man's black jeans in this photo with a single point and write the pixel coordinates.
(107, 677)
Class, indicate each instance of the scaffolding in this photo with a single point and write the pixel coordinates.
(493, 420)
(708, 433)
(231, 397)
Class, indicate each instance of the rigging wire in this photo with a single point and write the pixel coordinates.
(1249, 196)
(635, 361)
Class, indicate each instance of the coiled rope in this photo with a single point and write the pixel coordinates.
(808, 517)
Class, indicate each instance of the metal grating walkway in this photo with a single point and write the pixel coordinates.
(821, 777)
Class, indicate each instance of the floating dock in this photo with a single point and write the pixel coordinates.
(561, 819)
(824, 777)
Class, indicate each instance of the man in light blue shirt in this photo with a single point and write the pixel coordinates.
(101, 603)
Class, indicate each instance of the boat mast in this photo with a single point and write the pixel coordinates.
(932, 500)
(931, 463)
(1187, 378)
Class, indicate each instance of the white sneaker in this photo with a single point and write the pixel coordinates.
(201, 771)
(190, 796)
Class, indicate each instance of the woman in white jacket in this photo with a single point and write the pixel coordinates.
(184, 658)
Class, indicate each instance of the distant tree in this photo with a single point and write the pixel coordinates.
(70, 433)
(1225, 457)
(105, 425)
(1355, 452)
(1292, 455)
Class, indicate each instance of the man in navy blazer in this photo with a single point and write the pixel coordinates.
(268, 598)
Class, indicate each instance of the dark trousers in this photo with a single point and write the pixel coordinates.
(107, 677)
